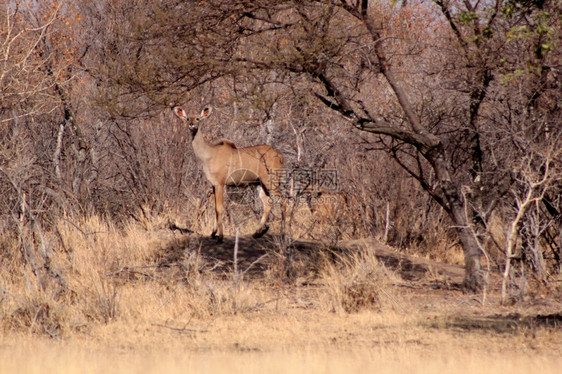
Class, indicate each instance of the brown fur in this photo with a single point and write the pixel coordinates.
(225, 164)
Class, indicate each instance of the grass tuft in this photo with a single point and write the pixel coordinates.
(355, 282)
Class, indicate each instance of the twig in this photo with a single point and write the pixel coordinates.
(132, 269)
(254, 263)
(387, 224)
(235, 259)
(392, 299)
(179, 329)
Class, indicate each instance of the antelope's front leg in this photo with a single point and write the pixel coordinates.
(219, 208)
(214, 232)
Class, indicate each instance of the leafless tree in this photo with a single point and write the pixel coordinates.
(431, 85)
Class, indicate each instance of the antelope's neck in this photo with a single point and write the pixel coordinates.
(201, 148)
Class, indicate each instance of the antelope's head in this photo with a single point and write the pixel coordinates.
(192, 122)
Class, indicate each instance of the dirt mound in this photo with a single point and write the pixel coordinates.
(256, 254)
(428, 285)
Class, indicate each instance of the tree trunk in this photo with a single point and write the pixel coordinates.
(474, 277)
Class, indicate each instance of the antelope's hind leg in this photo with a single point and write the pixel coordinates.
(267, 206)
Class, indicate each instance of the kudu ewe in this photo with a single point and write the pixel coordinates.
(333, 209)
(224, 164)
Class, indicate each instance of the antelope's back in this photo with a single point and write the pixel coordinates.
(271, 157)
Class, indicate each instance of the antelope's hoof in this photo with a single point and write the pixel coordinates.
(218, 238)
(260, 233)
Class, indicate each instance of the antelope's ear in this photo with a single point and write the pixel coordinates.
(206, 112)
(179, 112)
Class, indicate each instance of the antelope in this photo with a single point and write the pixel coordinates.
(224, 164)
(332, 209)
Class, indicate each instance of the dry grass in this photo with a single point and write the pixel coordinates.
(143, 298)
(66, 358)
(355, 283)
(295, 340)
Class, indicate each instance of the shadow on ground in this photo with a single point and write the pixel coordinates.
(256, 255)
(501, 324)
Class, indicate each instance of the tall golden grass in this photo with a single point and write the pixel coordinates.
(104, 272)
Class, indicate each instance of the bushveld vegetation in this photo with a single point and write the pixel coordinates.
(432, 126)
